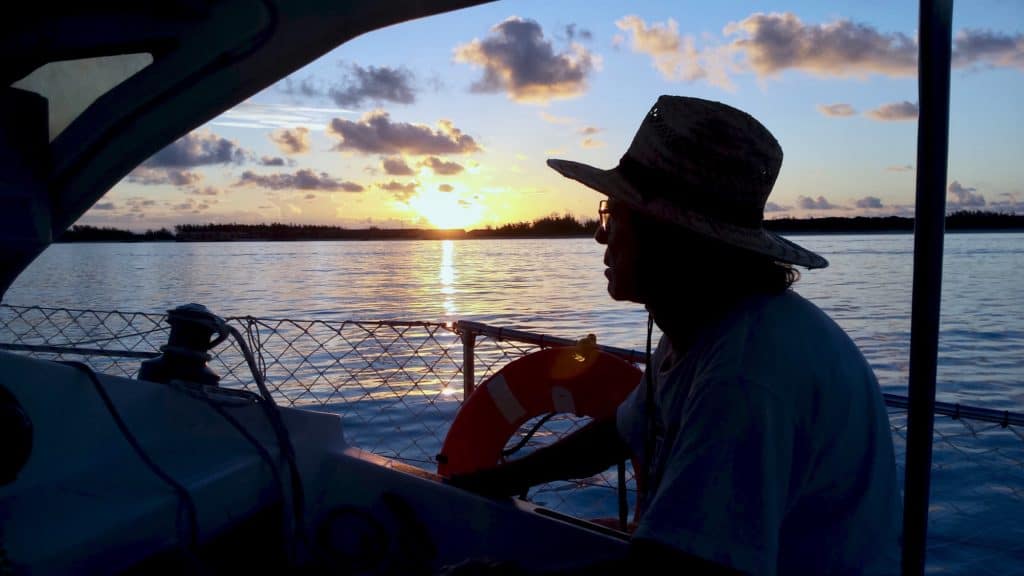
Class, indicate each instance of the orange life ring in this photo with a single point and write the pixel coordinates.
(584, 382)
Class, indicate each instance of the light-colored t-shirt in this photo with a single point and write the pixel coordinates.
(772, 449)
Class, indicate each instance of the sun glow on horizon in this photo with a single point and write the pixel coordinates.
(446, 210)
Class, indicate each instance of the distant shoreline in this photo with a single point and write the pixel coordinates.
(546, 228)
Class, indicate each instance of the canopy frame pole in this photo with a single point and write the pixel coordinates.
(934, 58)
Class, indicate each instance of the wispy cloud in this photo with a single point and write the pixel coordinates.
(205, 191)
(307, 87)
(375, 133)
(677, 57)
(517, 59)
(894, 112)
(572, 33)
(302, 180)
(403, 192)
(839, 110)
(552, 119)
(900, 168)
(291, 140)
(157, 176)
(1009, 202)
(263, 116)
(808, 203)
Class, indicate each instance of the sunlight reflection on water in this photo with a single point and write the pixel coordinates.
(556, 287)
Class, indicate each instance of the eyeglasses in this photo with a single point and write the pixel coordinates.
(603, 214)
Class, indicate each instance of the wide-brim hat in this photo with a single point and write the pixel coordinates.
(704, 166)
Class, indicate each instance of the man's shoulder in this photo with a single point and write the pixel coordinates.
(780, 335)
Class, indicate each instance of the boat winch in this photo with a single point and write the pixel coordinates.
(186, 353)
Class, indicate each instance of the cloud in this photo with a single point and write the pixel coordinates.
(307, 88)
(983, 47)
(591, 143)
(773, 207)
(441, 167)
(836, 109)
(137, 206)
(294, 141)
(769, 44)
(375, 133)
(302, 180)
(1011, 205)
(900, 168)
(571, 33)
(552, 119)
(205, 191)
(869, 202)
(518, 60)
(272, 161)
(104, 206)
(198, 149)
(396, 166)
(894, 112)
(274, 116)
(821, 203)
(675, 57)
(772, 43)
(960, 196)
(588, 130)
(401, 192)
(445, 188)
(374, 84)
(155, 176)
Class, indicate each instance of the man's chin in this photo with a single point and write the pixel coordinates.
(622, 295)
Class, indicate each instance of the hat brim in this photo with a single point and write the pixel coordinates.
(615, 185)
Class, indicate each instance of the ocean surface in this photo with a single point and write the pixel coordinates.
(557, 287)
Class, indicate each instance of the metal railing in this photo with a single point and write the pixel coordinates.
(398, 386)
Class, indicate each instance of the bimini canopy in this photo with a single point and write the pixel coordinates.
(144, 74)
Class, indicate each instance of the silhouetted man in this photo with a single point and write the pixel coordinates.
(759, 426)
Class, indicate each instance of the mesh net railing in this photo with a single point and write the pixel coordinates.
(398, 385)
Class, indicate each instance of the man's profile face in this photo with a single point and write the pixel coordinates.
(620, 255)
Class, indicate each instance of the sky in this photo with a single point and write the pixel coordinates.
(447, 121)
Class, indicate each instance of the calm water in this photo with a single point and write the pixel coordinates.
(557, 287)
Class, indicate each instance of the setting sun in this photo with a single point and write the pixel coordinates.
(445, 210)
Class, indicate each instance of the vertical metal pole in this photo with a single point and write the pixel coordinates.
(936, 21)
(468, 364)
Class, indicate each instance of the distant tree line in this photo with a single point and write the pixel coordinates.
(278, 231)
(86, 233)
(550, 226)
(961, 220)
